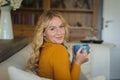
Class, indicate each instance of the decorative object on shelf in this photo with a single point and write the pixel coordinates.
(6, 31)
(72, 4)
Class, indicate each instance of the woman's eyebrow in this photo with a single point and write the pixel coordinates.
(51, 26)
(61, 25)
(55, 26)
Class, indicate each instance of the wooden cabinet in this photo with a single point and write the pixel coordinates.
(23, 30)
(81, 15)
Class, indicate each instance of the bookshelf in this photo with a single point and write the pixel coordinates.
(26, 16)
(82, 17)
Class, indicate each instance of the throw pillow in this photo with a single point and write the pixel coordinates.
(18, 74)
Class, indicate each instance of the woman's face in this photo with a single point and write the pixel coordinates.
(55, 32)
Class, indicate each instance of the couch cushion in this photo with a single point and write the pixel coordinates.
(18, 74)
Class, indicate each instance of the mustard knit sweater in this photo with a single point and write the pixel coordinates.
(54, 63)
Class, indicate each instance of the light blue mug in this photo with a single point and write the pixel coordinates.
(84, 47)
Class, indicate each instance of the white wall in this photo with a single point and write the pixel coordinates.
(110, 33)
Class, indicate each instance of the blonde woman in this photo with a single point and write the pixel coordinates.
(51, 58)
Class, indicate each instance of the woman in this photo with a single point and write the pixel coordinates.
(51, 58)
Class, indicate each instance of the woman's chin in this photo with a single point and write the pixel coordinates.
(59, 41)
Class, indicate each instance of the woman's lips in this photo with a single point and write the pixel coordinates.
(59, 38)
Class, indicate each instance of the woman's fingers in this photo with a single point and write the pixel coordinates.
(81, 56)
(79, 51)
(85, 53)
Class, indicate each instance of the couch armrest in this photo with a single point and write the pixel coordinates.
(9, 47)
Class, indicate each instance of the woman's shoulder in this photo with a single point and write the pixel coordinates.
(54, 48)
(60, 50)
(59, 47)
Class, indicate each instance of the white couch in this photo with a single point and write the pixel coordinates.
(20, 59)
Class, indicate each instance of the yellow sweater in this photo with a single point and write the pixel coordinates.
(55, 64)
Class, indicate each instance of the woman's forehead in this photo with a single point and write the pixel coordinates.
(56, 21)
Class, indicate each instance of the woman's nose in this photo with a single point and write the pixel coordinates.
(58, 31)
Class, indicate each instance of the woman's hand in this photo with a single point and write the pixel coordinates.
(80, 57)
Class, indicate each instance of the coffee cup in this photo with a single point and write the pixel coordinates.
(84, 47)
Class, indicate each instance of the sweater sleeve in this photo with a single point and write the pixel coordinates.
(75, 72)
(61, 66)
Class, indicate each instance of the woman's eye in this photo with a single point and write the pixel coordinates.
(52, 29)
(61, 26)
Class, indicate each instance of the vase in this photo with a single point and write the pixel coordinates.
(6, 31)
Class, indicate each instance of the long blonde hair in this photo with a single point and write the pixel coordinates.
(38, 40)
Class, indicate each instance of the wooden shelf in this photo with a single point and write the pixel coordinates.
(23, 30)
(29, 10)
(73, 10)
(75, 27)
